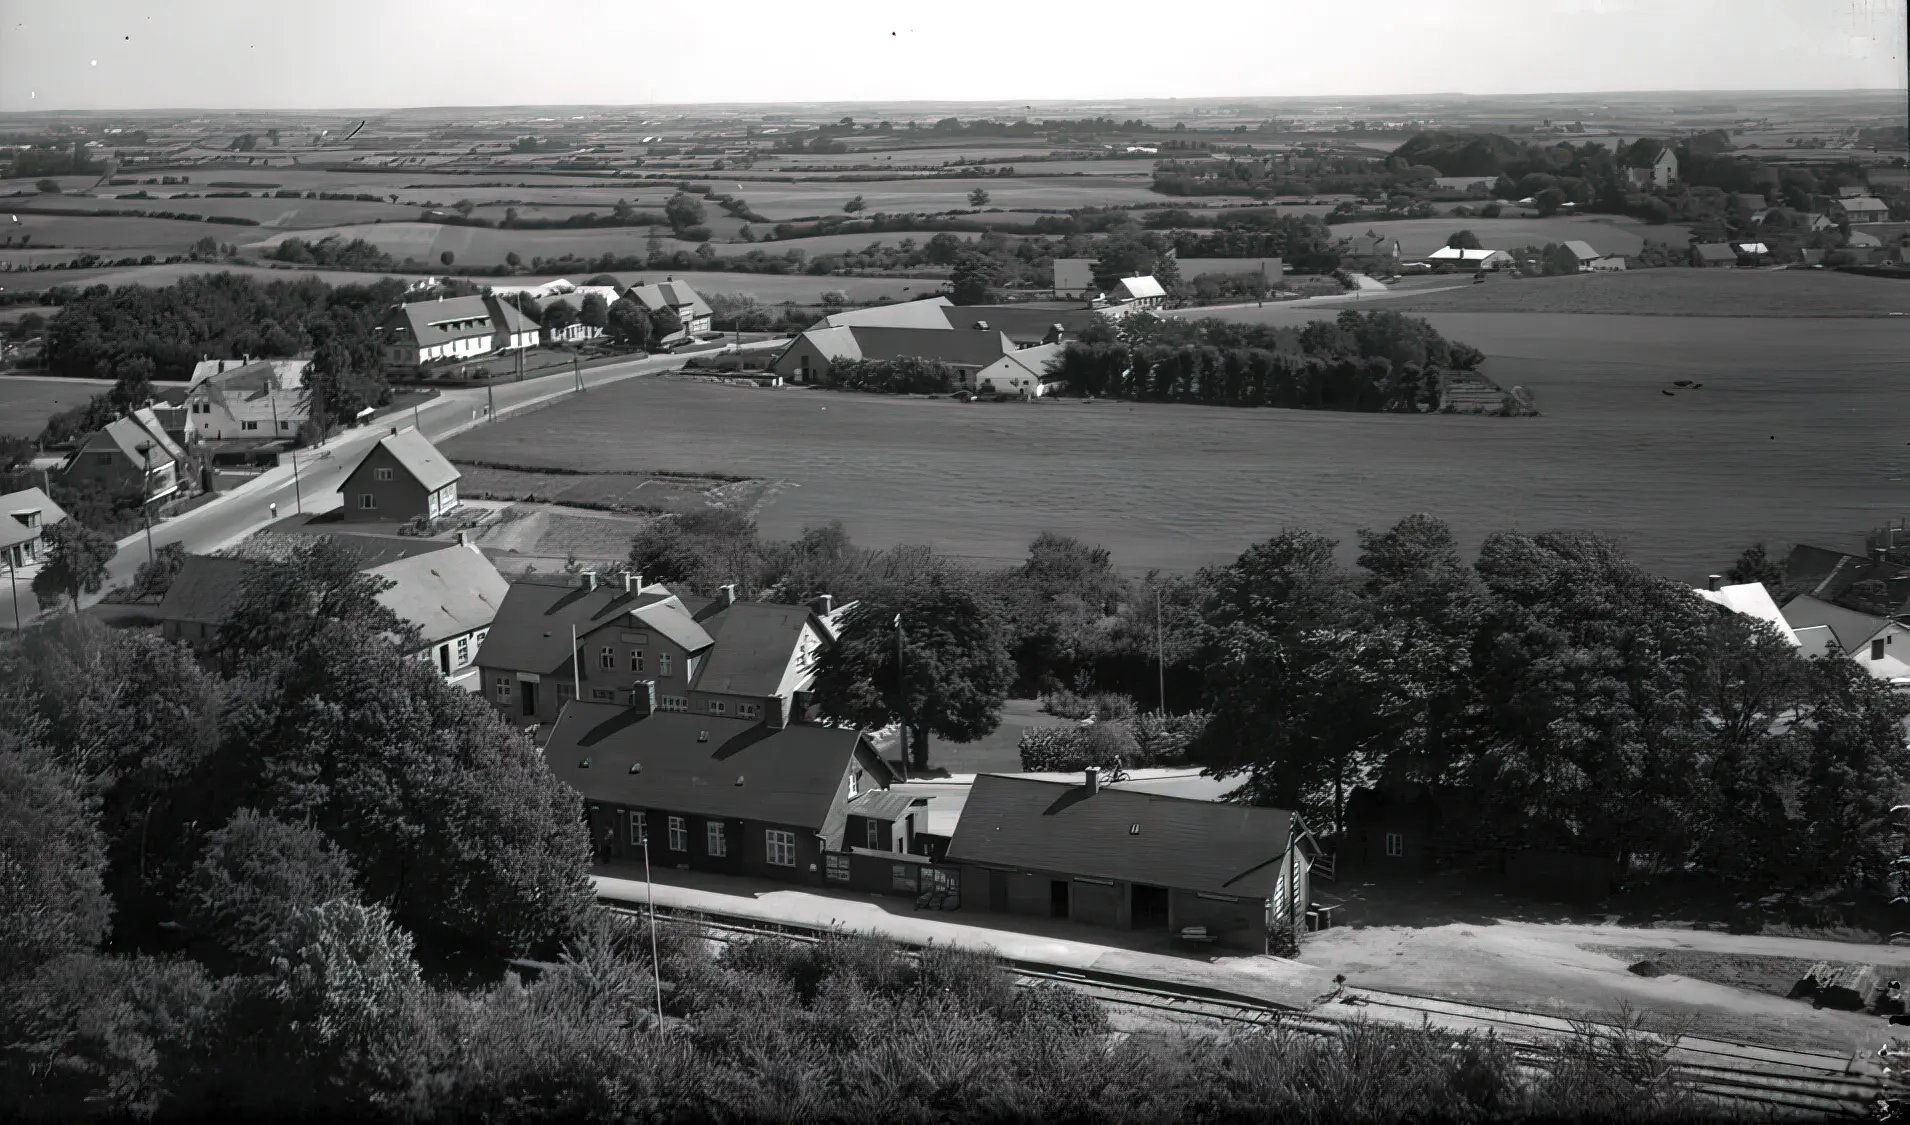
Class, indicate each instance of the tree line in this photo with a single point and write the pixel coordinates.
(1365, 361)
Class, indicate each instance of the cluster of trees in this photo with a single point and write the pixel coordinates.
(1588, 705)
(1303, 171)
(136, 334)
(48, 157)
(334, 252)
(1373, 361)
(902, 375)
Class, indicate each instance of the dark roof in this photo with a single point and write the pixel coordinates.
(367, 550)
(962, 347)
(1022, 322)
(882, 804)
(1182, 844)
(789, 776)
(204, 590)
(755, 642)
(531, 632)
(1827, 574)
(1717, 252)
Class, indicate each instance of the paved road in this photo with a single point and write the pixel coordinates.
(320, 470)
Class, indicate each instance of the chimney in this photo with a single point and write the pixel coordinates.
(630, 583)
(778, 716)
(1094, 780)
(1878, 554)
(394, 431)
(1714, 581)
(727, 595)
(824, 605)
(981, 325)
(643, 697)
(590, 580)
(463, 539)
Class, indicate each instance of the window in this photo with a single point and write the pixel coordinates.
(839, 868)
(679, 835)
(381, 474)
(1876, 649)
(464, 651)
(779, 847)
(749, 710)
(713, 840)
(285, 423)
(367, 502)
(501, 689)
(248, 425)
(855, 781)
(673, 703)
(1395, 844)
(636, 660)
(872, 834)
(603, 695)
(639, 828)
(663, 664)
(607, 659)
(902, 877)
(717, 707)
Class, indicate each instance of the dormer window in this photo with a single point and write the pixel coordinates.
(855, 781)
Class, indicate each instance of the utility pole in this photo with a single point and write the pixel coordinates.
(490, 403)
(577, 370)
(12, 582)
(145, 494)
(901, 696)
(577, 675)
(298, 493)
(1160, 648)
(650, 897)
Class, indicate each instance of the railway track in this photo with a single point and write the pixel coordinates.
(1772, 1080)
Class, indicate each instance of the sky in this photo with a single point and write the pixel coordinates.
(383, 54)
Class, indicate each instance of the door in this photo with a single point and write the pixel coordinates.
(1150, 907)
(528, 691)
(1058, 898)
(998, 891)
(444, 660)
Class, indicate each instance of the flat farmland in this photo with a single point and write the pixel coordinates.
(781, 201)
(479, 246)
(1796, 436)
(152, 236)
(26, 404)
(263, 210)
(1675, 292)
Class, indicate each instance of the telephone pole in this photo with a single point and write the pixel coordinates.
(901, 696)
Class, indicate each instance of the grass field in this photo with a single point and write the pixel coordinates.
(26, 404)
(779, 201)
(1675, 292)
(1795, 437)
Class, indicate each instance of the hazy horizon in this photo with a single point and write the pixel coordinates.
(357, 56)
